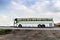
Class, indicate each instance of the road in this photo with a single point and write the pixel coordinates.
(9, 27)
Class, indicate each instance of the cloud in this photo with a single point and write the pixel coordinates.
(31, 8)
(4, 20)
(42, 8)
(57, 5)
(29, 2)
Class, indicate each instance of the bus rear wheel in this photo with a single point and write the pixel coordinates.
(43, 26)
(20, 26)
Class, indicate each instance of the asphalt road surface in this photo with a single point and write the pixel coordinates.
(11, 27)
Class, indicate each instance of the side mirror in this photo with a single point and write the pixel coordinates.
(15, 19)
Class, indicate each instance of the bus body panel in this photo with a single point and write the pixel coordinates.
(33, 22)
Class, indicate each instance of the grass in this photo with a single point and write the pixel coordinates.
(58, 37)
(5, 31)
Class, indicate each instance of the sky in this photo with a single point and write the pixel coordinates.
(11, 9)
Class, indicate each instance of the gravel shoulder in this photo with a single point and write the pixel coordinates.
(32, 35)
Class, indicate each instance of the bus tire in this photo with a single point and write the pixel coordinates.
(20, 26)
(39, 25)
(43, 26)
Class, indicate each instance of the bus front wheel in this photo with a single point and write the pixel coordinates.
(20, 26)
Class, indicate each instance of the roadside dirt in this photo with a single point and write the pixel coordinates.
(32, 35)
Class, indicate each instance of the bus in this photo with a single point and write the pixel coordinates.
(34, 22)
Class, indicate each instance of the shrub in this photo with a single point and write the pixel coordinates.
(5, 31)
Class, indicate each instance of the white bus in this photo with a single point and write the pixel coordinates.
(33, 22)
